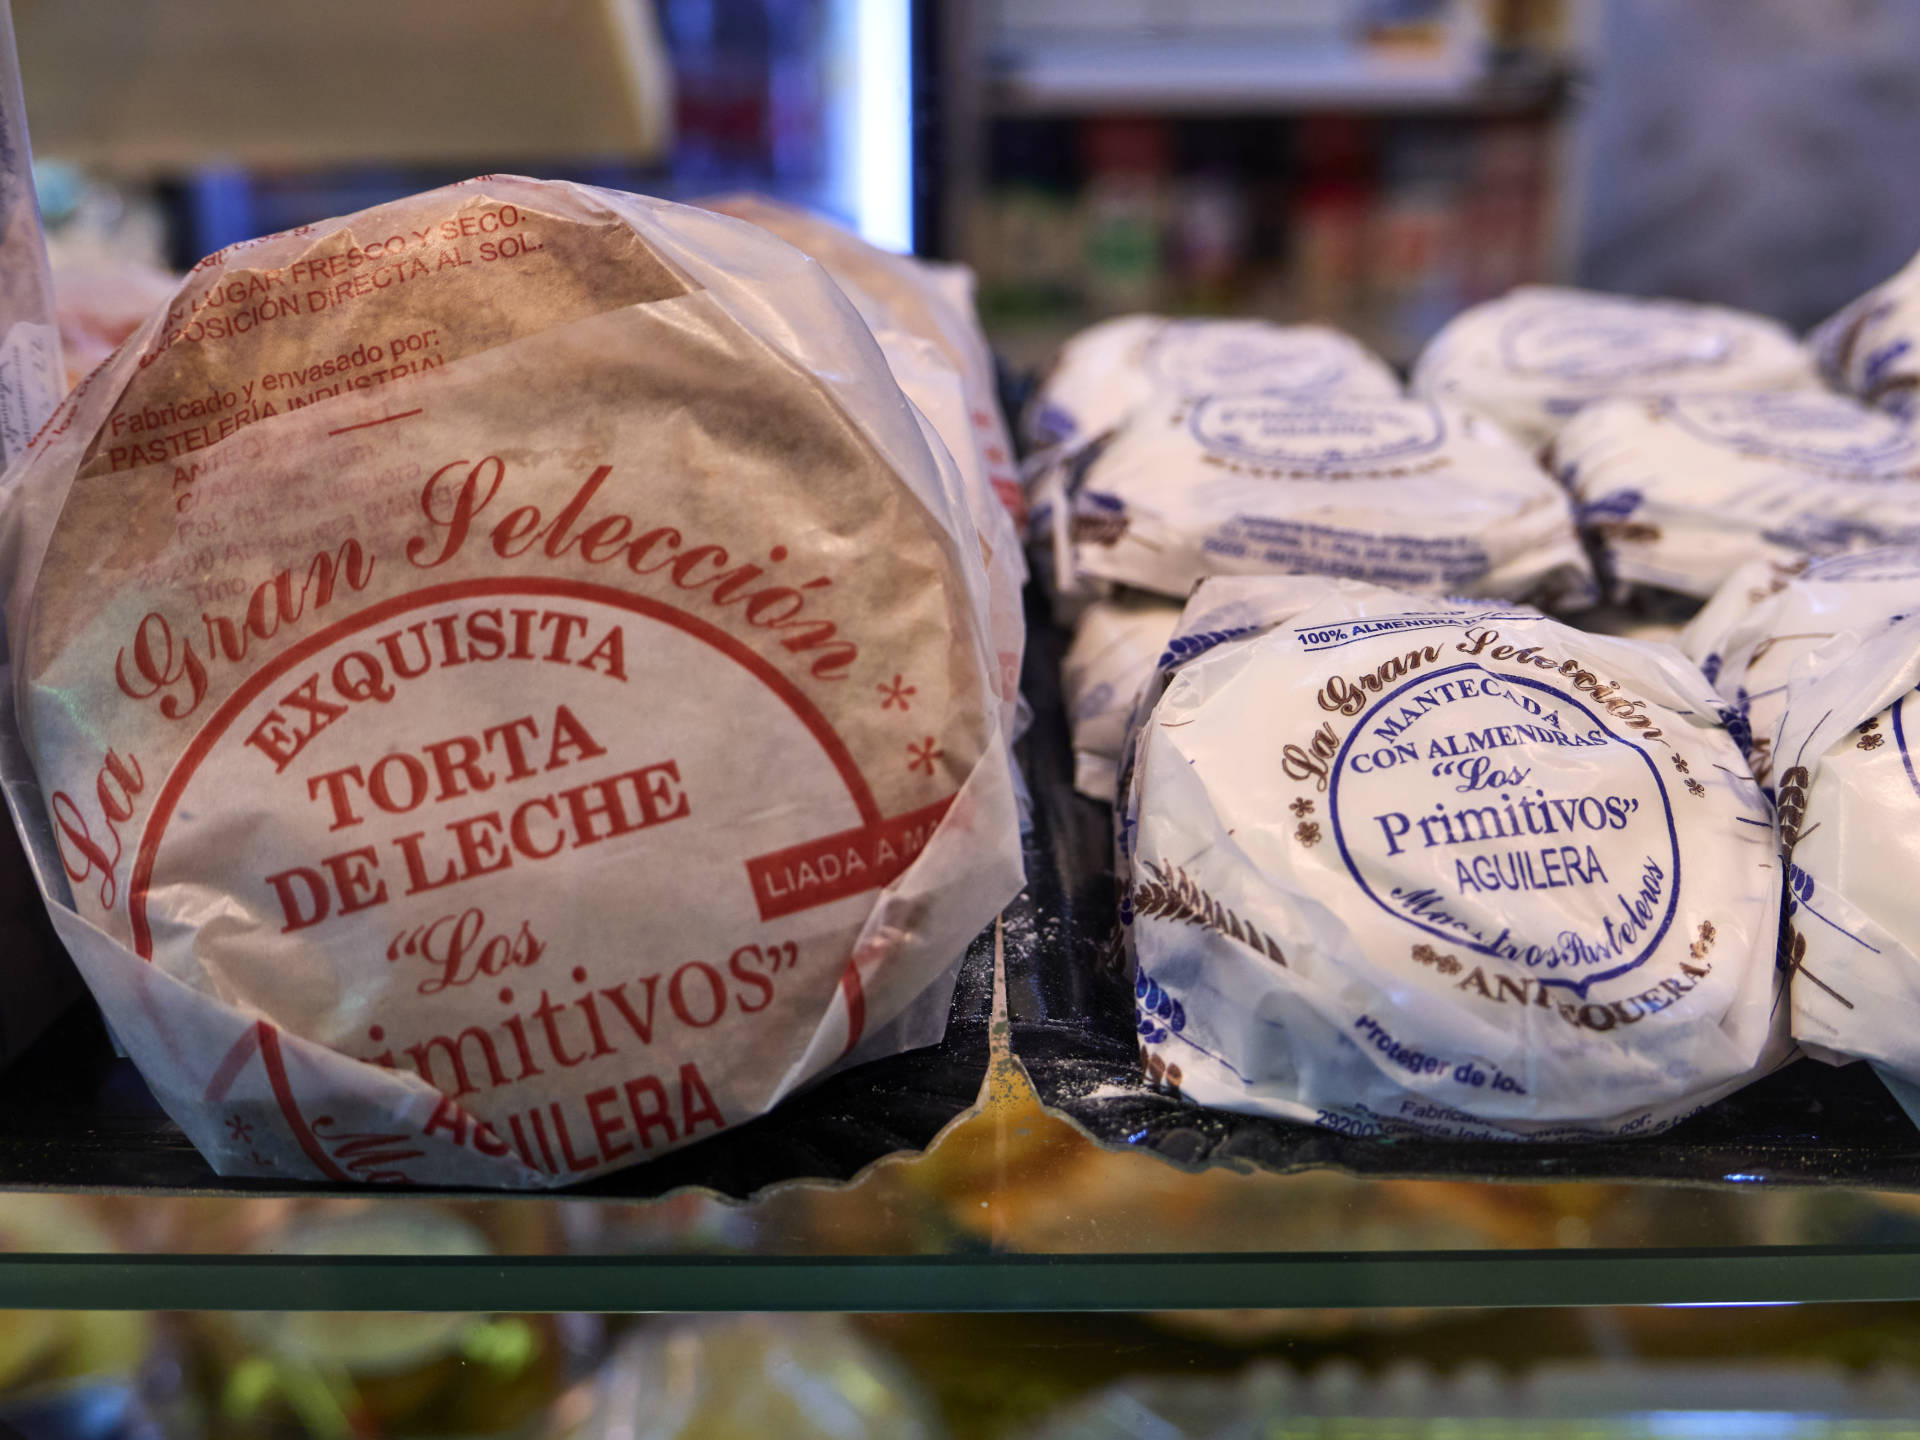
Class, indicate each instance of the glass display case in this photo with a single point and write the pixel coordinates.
(1026, 1230)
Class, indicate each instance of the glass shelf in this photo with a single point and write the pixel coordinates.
(1013, 1206)
(1011, 1209)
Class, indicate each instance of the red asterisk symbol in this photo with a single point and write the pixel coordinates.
(242, 1131)
(924, 754)
(898, 690)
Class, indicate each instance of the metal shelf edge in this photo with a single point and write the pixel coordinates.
(1444, 1279)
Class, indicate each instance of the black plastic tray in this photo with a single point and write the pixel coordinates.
(73, 1116)
(1072, 1026)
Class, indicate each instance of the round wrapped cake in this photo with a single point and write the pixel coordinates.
(1770, 617)
(1535, 357)
(1871, 348)
(510, 682)
(1845, 773)
(1107, 371)
(1402, 866)
(1410, 493)
(1681, 490)
(1116, 644)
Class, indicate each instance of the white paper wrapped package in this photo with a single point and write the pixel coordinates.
(1769, 616)
(1682, 490)
(1408, 493)
(1537, 356)
(510, 678)
(933, 302)
(922, 315)
(1629, 623)
(1397, 865)
(1850, 830)
(940, 402)
(1116, 645)
(1108, 371)
(1872, 347)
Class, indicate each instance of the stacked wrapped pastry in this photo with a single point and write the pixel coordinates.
(1692, 438)
(1680, 491)
(1821, 663)
(516, 685)
(1396, 865)
(1498, 877)
(1538, 356)
(921, 314)
(1871, 348)
(1179, 451)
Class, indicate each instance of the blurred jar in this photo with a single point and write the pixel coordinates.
(748, 1377)
(1331, 208)
(73, 1374)
(327, 1376)
(1126, 206)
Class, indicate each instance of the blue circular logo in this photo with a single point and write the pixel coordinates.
(1601, 342)
(1885, 563)
(1806, 427)
(1191, 358)
(1320, 435)
(1502, 816)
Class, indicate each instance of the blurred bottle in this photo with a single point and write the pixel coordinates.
(1024, 237)
(746, 1377)
(1331, 210)
(1506, 212)
(1126, 204)
(1209, 240)
(1211, 229)
(75, 1375)
(1028, 247)
(327, 1376)
(1416, 280)
(720, 51)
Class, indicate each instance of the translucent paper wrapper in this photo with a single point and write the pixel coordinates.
(1109, 370)
(930, 301)
(1872, 347)
(1681, 490)
(1770, 616)
(1844, 766)
(922, 315)
(1536, 357)
(1420, 496)
(1115, 648)
(508, 686)
(32, 378)
(1396, 866)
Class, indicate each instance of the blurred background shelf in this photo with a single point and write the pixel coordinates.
(1373, 164)
(1804, 1188)
(1376, 164)
(1010, 1209)
(1214, 78)
(955, 1284)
